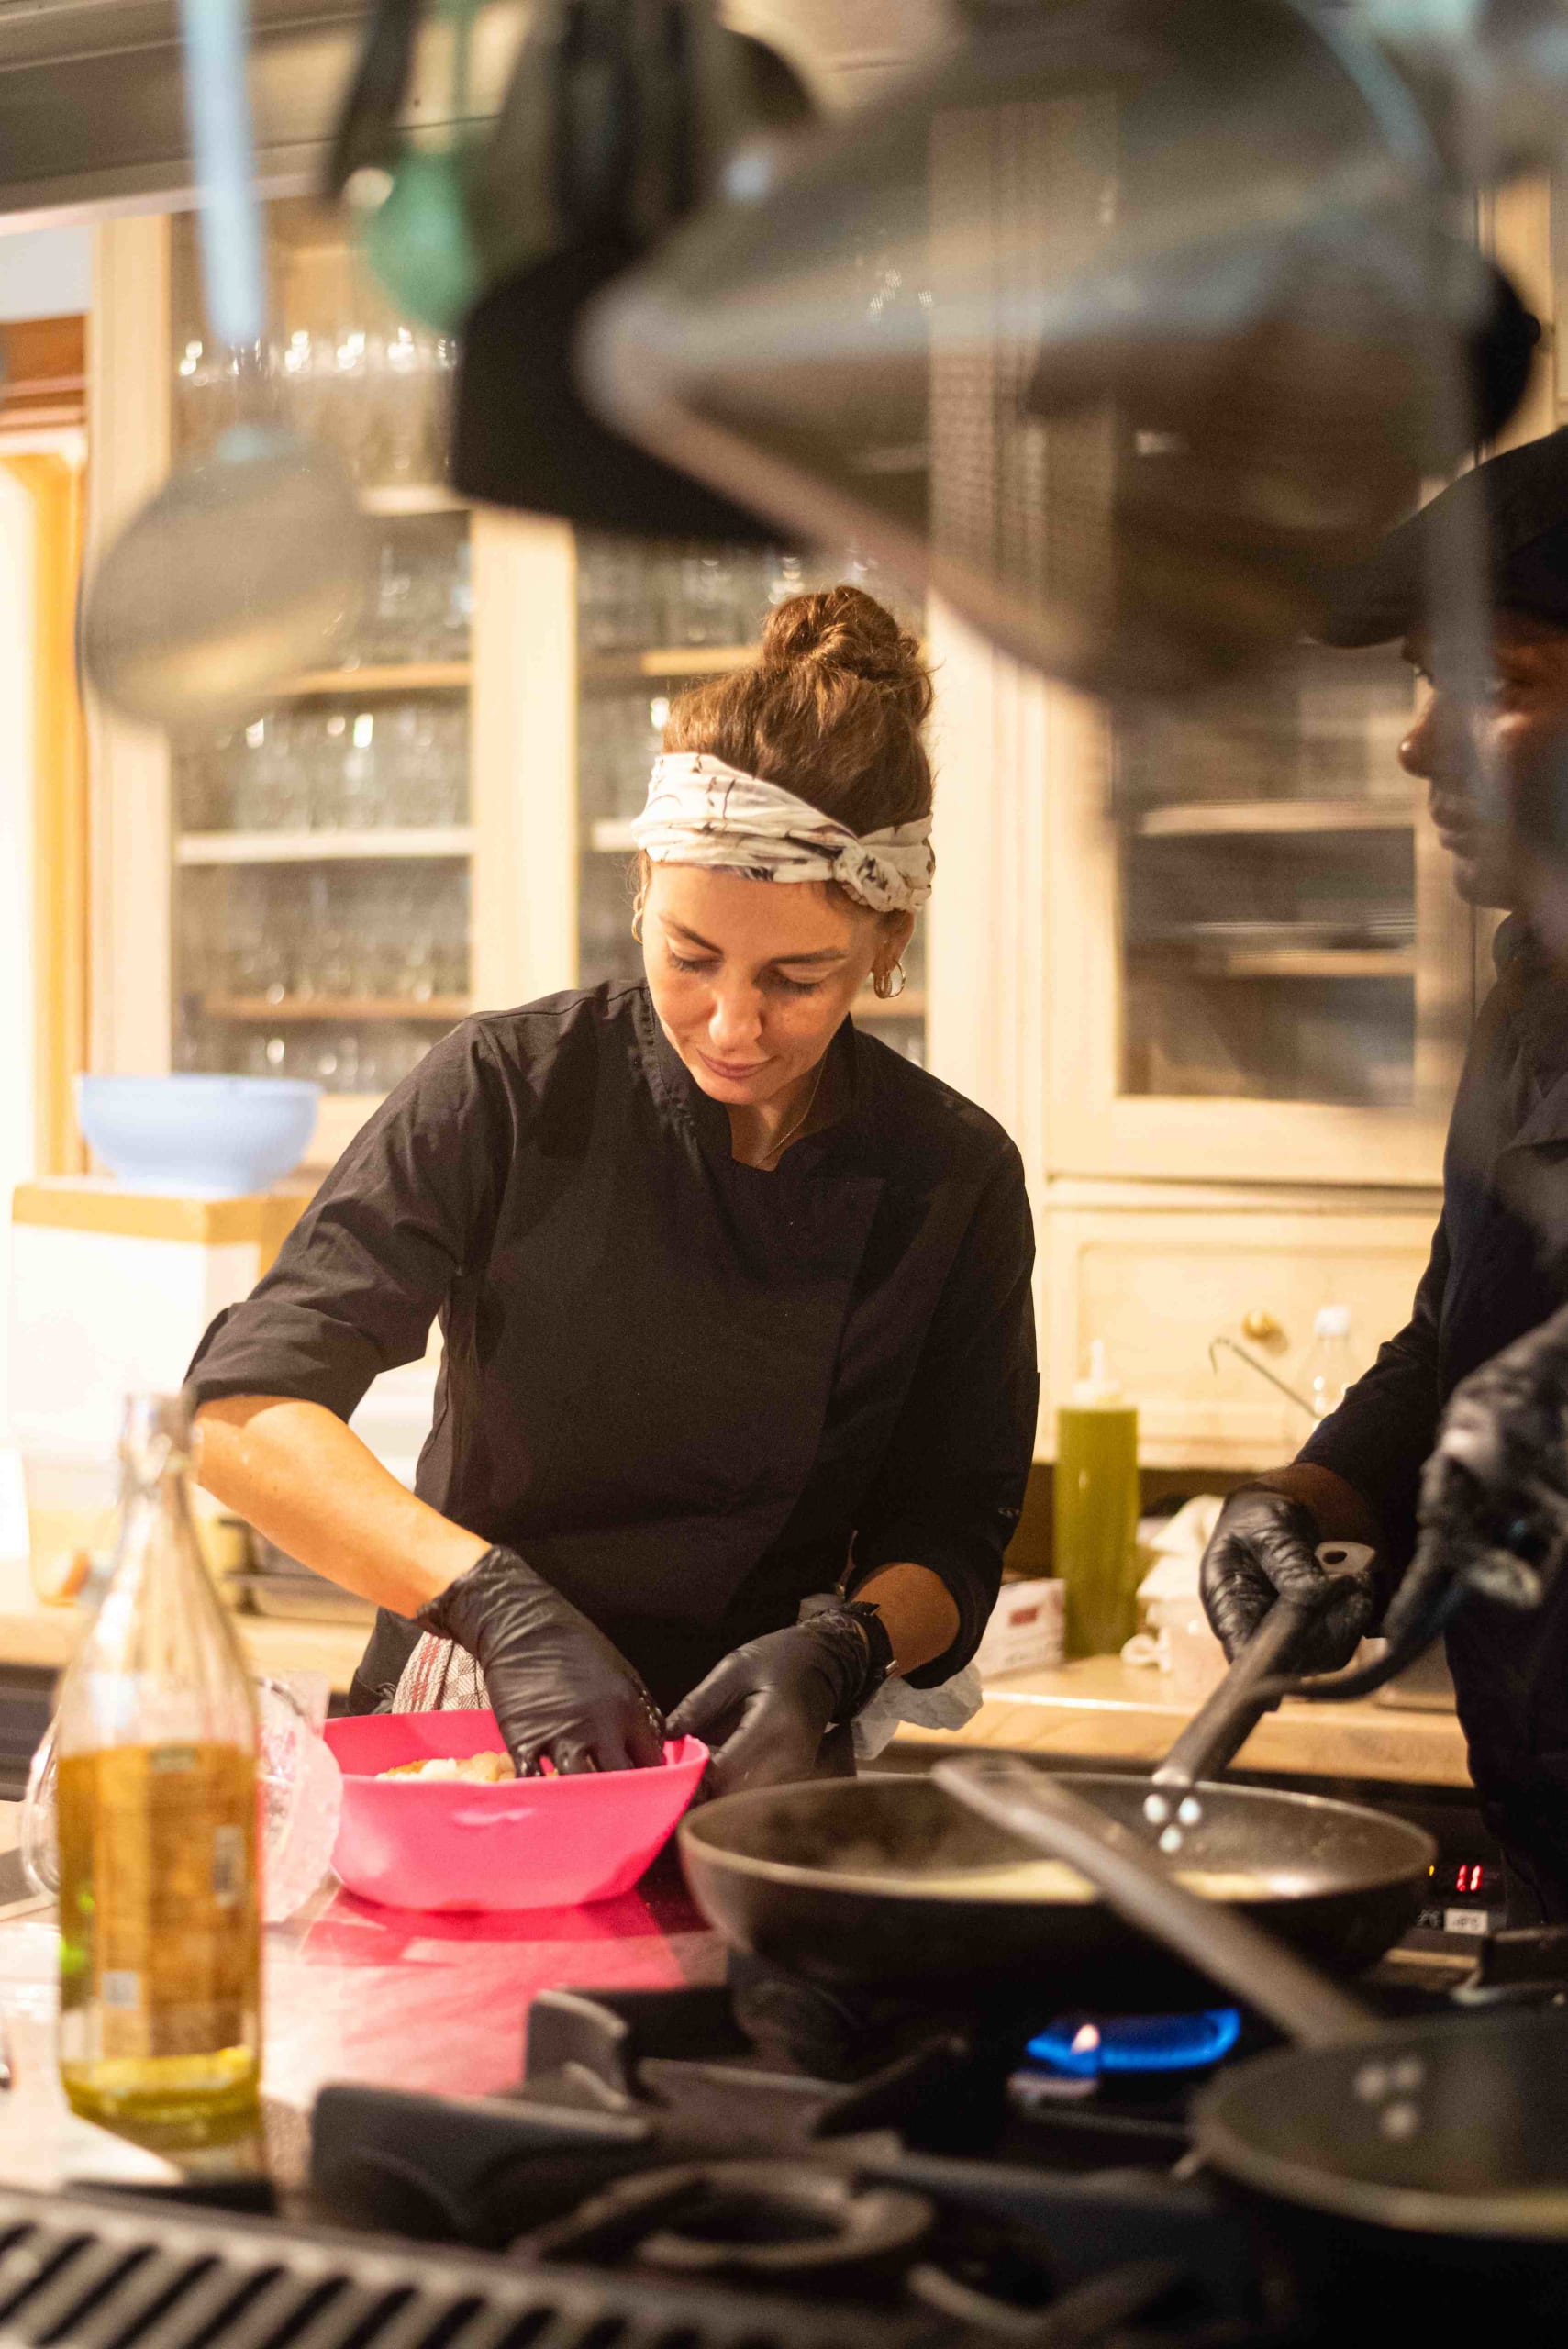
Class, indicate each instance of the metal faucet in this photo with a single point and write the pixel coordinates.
(1233, 1346)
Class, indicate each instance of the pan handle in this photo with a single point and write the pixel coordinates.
(1222, 1725)
(1215, 1938)
(1220, 1729)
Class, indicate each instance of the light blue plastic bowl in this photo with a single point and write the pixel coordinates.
(210, 1137)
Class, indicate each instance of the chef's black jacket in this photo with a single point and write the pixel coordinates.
(1499, 1266)
(689, 1393)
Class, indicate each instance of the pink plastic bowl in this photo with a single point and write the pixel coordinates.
(528, 1844)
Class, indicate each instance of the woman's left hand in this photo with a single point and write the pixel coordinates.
(767, 1708)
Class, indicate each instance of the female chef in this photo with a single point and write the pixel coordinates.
(735, 1301)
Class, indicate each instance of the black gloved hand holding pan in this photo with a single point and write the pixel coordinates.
(1265, 1547)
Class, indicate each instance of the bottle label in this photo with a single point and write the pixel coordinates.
(159, 1946)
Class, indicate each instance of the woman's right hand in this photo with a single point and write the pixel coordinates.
(558, 1687)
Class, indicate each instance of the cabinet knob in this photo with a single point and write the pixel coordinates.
(1262, 1328)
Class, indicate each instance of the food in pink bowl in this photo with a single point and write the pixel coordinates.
(448, 1842)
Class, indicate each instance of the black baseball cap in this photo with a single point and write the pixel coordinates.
(1522, 498)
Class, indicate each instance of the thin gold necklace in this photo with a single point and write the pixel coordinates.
(776, 1149)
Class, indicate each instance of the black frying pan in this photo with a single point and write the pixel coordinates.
(884, 1881)
(1415, 2175)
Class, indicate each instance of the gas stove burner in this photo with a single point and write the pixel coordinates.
(1093, 2047)
(783, 2222)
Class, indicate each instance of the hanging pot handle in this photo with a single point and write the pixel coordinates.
(368, 135)
(1212, 1937)
(217, 98)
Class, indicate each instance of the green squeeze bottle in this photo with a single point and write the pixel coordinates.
(1096, 1510)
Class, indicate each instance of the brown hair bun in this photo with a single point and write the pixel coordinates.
(844, 628)
(832, 711)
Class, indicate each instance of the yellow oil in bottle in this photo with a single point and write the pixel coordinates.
(160, 1918)
(160, 1949)
(1097, 1500)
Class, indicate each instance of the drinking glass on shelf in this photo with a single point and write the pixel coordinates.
(706, 609)
(402, 369)
(251, 795)
(441, 380)
(786, 576)
(327, 772)
(391, 631)
(374, 1061)
(429, 604)
(345, 411)
(417, 979)
(451, 961)
(291, 774)
(613, 602)
(334, 961)
(206, 385)
(307, 365)
(459, 621)
(360, 804)
(349, 1077)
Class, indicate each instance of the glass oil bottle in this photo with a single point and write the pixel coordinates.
(1096, 1495)
(160, 1932)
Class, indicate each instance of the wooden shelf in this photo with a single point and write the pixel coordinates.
(1285, 962)
(296, 1008)
(910, 1004)
(669, 660)
(1202, 817)
(412, 497)
(384, 677)
(433, 841)
(611, 836)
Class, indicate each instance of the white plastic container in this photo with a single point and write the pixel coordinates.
(1028, 1632)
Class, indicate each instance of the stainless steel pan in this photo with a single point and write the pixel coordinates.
(884, 1880)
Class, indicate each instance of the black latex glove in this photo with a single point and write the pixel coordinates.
(557, 1685)
(1262, 1548)
(767, 1708)
(1493, 1506)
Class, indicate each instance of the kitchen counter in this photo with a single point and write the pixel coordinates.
(354, 1993)
(42, 1637)
(1095, 1709)
(1102, 1709)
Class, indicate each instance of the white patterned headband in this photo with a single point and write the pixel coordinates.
(700, 811)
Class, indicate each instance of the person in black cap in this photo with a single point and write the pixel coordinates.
(1499, 1261)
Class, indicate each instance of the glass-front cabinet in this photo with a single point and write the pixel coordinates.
(1260, 970)
(1266, 871)
(321, 911)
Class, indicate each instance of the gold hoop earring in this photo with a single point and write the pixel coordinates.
(636, 925)
(883, 986)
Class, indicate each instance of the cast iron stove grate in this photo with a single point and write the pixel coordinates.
(672, 2132)
(77, 2273)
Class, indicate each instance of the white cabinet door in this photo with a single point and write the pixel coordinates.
(1160, 1283)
